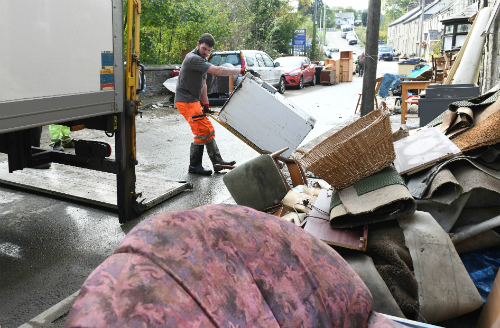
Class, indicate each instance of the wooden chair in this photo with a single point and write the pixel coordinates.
(377, 87)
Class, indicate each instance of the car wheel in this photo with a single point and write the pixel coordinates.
(281, 85)
(301, 82)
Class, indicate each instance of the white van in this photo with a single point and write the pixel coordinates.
(345, 29)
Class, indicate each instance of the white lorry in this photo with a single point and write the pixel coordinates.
(63, 63)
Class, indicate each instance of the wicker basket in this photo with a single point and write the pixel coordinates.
(353, 153)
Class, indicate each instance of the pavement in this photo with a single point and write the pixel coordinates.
(49, 245)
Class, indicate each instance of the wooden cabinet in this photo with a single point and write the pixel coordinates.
(328, 77)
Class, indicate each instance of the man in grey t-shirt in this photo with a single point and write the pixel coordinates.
(191, 88)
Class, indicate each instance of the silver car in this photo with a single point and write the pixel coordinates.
(256, 60)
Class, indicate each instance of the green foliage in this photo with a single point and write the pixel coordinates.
(272, 26)
(435, 49)
(361, 33)
(170, 26)
(394, 9)
(306, 7)
(384, 27)
(364, 17)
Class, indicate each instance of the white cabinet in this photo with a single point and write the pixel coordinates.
(265, 118)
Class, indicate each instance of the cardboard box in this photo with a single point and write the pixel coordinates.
(405, 69)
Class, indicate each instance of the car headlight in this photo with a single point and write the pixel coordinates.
(294, 74)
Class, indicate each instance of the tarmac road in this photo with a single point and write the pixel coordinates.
(48, 245)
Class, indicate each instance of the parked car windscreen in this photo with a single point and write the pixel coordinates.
(289, 61)
(385, 49)
(219, 59)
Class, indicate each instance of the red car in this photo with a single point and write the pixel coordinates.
(298, 70)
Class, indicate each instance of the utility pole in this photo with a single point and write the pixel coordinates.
(313, 45)
(324, 24)
(320, 19)
(421, 29)
(371, 57)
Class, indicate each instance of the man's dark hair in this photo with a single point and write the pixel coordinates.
(207, 39)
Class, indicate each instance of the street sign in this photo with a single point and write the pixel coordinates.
(299, 37)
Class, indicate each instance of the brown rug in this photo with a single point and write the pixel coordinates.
(386, 247)
(485, 131)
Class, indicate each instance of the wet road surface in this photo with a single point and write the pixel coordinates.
(48, 245)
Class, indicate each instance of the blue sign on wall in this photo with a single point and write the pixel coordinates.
(299, 37)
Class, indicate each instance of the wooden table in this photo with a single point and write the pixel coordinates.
(409, 85)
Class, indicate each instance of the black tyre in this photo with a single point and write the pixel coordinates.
(313, 82)
(281, 85)
(301, 82)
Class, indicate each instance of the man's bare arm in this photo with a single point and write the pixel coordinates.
(223, 71)
(204, 96)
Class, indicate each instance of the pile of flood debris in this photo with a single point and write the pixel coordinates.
(404, 209)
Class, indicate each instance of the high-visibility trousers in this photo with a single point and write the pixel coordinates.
(59, 133)
(201, 127)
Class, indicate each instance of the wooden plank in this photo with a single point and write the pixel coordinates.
(490, 315)
(318, 225)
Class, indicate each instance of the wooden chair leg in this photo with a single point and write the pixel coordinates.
(357, 105)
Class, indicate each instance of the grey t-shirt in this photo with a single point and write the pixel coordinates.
(190, 83)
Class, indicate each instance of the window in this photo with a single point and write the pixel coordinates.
(463, 28)
(425, 36)
(249, 59)
(219, 59)
(434, 34)
(447, 42)
(459, 40)
(260, 61)
(267, 61)
(449, 29)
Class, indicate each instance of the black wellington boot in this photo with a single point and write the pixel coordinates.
(196, 158)
(215, 157)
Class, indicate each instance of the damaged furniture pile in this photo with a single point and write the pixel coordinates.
(379, 239)
(399, 208)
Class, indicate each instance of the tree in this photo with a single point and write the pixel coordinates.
(364, 17)
(272, 26)
(394, 9)
(306, 7)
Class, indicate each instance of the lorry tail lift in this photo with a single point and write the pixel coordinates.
(109, 107)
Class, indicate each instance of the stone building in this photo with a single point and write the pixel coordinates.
(403, 33)
(489, 75)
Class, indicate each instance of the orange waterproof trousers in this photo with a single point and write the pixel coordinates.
(202, 128)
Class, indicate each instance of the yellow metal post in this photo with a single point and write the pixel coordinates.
(132, 68)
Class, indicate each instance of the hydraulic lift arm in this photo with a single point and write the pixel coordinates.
(128, 208)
